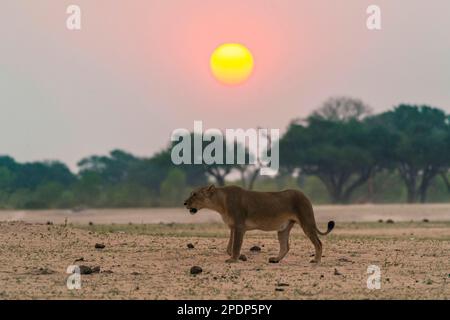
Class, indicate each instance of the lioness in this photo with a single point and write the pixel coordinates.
(244, 210)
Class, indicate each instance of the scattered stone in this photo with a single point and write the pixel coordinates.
(134, 273)
(79, 259)
(322, 276)
(279, 289)
(380, 221)
(344, 259)
(282, 284)
(49, 223)
(273, 260)
(89, 270)
(243, 257)
(99, 246)
(425, 220)
(389, 221)
(96, 269)
(196, 270)
(43, 271)
(255, 249)
(336, 272)
(107, 271)
(91, 223)
(190, 246)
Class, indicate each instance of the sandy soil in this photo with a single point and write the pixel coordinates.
(343, 213)
(142, 261)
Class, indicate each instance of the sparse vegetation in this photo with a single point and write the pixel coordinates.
(152, 262)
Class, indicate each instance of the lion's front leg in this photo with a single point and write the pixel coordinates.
(230, 243)
(237, 239)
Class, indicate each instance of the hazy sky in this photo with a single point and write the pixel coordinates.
(139, 69)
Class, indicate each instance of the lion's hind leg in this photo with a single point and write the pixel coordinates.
(283, 238)
(312, 235)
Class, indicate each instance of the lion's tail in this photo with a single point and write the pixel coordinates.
(330, 227)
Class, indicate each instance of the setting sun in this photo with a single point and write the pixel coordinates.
(231, 63)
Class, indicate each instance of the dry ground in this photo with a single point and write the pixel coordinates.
(323, 213)
(152, 261)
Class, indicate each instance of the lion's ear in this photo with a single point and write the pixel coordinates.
(210, 189)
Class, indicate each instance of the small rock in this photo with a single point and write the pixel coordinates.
(336, 272)
(79, 259)
(99, 246)
(322, 276)
(43, 271)
(380, 221)
(196, 270)
(89, 270)
(425, 220)
(107, 271)
(344, 259)
(91, 223)
(279, 289)
(255, 249)
(389, 221)
(282, 284)
(49, 223)
(134, 273)
(190, 246)
(273, 260)
(243, 257)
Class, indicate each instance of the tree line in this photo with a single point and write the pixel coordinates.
(341, 153)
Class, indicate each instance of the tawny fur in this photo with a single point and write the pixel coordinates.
(244, 210)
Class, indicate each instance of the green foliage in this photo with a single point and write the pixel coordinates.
(345, 151)
(421, 151)
(173, 188)
(340, 154)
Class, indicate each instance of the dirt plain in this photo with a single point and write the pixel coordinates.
(153, 261)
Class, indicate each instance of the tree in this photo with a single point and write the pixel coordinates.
(217, 171)
(6, 179)
(422, 145)
(343, 109)
(173, 187)
(250, 172)
(342, 154)
(113, 169)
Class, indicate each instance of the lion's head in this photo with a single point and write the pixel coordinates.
(199, 199)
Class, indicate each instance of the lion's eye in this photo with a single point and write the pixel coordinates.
(194, 194)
